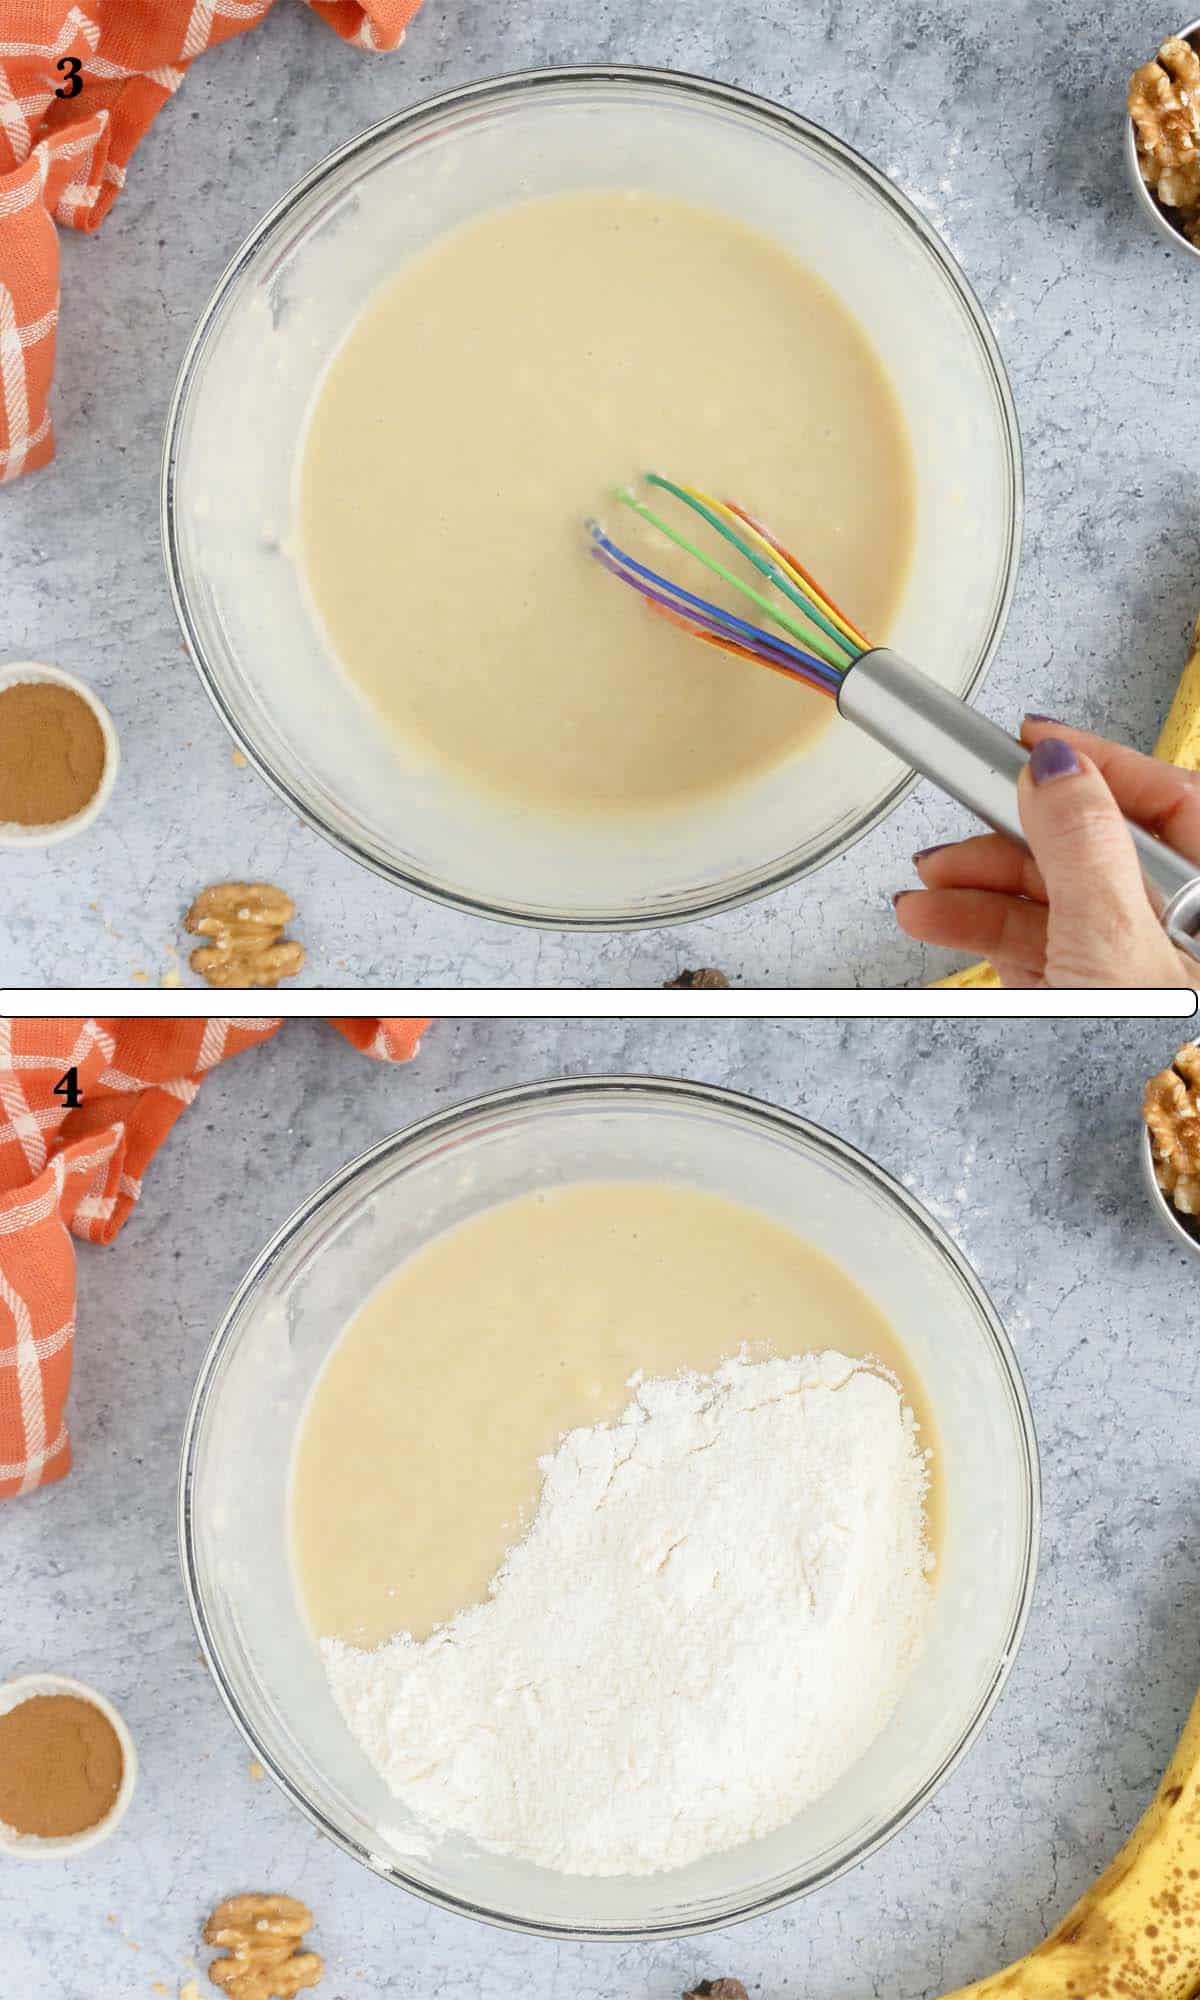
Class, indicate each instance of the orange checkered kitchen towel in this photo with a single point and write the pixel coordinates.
(80, 1169)
(79, 84)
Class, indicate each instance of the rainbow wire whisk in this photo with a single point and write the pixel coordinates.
(821, 642)
(807, 637)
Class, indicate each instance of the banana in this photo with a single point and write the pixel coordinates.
(1179, 739)
(982, 974)
(1135, 1935)
(1178, 743)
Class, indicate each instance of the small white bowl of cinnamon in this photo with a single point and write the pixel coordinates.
(58, 755)
(67, 1768)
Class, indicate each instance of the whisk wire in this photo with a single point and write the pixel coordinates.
(808, 597)
(828, 642)
(708, 621)
(773, 611)
(859, 643)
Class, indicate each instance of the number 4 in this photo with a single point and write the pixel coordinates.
(68, 1089)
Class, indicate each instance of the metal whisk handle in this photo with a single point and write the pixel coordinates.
(979, 764)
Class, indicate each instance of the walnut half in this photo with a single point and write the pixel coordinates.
(699, 979)
(246, 921)
(261, 1935)
(1171, 1109)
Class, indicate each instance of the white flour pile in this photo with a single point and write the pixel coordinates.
(711, 1618)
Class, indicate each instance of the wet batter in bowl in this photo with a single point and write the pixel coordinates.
(416, 1465)
(489, 399)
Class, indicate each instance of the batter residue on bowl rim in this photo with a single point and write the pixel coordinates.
(416, 1463)
(490, 397)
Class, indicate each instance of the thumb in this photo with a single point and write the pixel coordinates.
(1102, 928)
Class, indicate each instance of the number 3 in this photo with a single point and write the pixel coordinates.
(74, 84)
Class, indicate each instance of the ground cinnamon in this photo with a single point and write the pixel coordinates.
(52, 753)
(61, 1765)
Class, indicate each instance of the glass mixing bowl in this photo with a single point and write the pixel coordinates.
(282, 308)
(316, 1272)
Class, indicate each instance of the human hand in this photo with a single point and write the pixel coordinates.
(1074, 910)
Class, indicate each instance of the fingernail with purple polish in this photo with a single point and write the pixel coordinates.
(899, 896)
(1052, 758)
(923, 853)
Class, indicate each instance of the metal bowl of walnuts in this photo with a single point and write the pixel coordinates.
(1171, 1147)
(1162, 139)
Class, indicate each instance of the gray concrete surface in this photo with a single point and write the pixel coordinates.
(1020, 1140)
(1004, 123)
